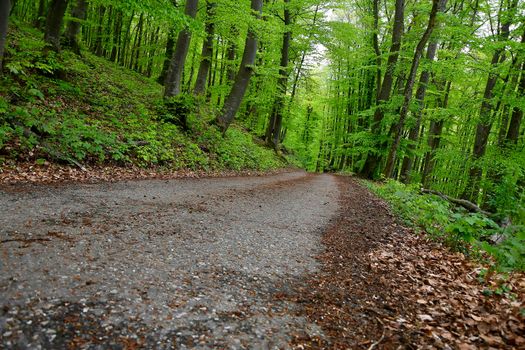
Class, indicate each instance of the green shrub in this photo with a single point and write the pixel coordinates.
(467, 232)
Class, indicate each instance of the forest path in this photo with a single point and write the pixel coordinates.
(161, 263)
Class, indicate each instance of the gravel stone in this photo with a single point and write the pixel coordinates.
(160, 263)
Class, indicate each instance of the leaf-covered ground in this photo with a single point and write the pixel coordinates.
(50, 173)
(383, 286)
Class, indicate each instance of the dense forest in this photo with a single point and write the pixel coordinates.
(425, 92)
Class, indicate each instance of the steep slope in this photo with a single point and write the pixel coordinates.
(82, 111)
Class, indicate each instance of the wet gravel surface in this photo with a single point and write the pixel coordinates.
(161, 264)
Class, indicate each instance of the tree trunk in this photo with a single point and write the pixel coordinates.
(125, 43)
(153, 51)
(117, 30)
(41, 15)
(434, 138)
(517, 112)
(207, 50)
(373, 159)
(174, 76)
(54, 20)
(414, 131)
(375, 43)
(232, 53)
(137, 44)
(273, 131)
(392, 155)
(73, 27)
(192, 71)
(5, 6)
(170, 43)
(484, 126)
(301, 62)
(100, 27)
(242, 79)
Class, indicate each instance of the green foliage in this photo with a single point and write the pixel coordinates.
(469, 233)
(61, 107)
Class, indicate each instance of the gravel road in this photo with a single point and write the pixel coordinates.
(160, 264)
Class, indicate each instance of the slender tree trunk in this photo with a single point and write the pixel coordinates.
(414, 131)
(434, 139)
(5, 9)
(517, 112)
(168, 53)
(73, 27)
(221, 73)
(375, 43)
(137, 45)
(192, 70)
(125, 43)
(207, 50)
(242, 80)
(55, 18)
(273, 131)
(153, 51)
(232, 53)
(41, 14)
(117, 30)
(170, 43)
(174, 76)
(398, 130)
(373, 159)
(5, 6)
(484, 126)
(100, 27)
(301, 62)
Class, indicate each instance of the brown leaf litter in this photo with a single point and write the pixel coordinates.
(383, 286)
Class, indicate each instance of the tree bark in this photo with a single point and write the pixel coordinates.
(301, 62)
(125, 43)
(207, 49)
(414, 133)
(54, 20)
(375, 43)
(517, 111)
(176, 69)
(373, 159)
(169, 53)
(73, 27)
(5, 6)
(242, 79)
(392, 155)
(100, 27)
(137, 44)
(232, 53)
(484, 126)
(41, 14)
(117, 30)
(273, 131)
(170, 43)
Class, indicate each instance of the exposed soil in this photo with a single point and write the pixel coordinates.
(293, 260)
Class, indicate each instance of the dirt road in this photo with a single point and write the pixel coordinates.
(161, 264)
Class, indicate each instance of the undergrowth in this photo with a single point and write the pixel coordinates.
(86, 110)
(473, 234)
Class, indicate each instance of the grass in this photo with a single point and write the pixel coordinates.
(66, 108)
